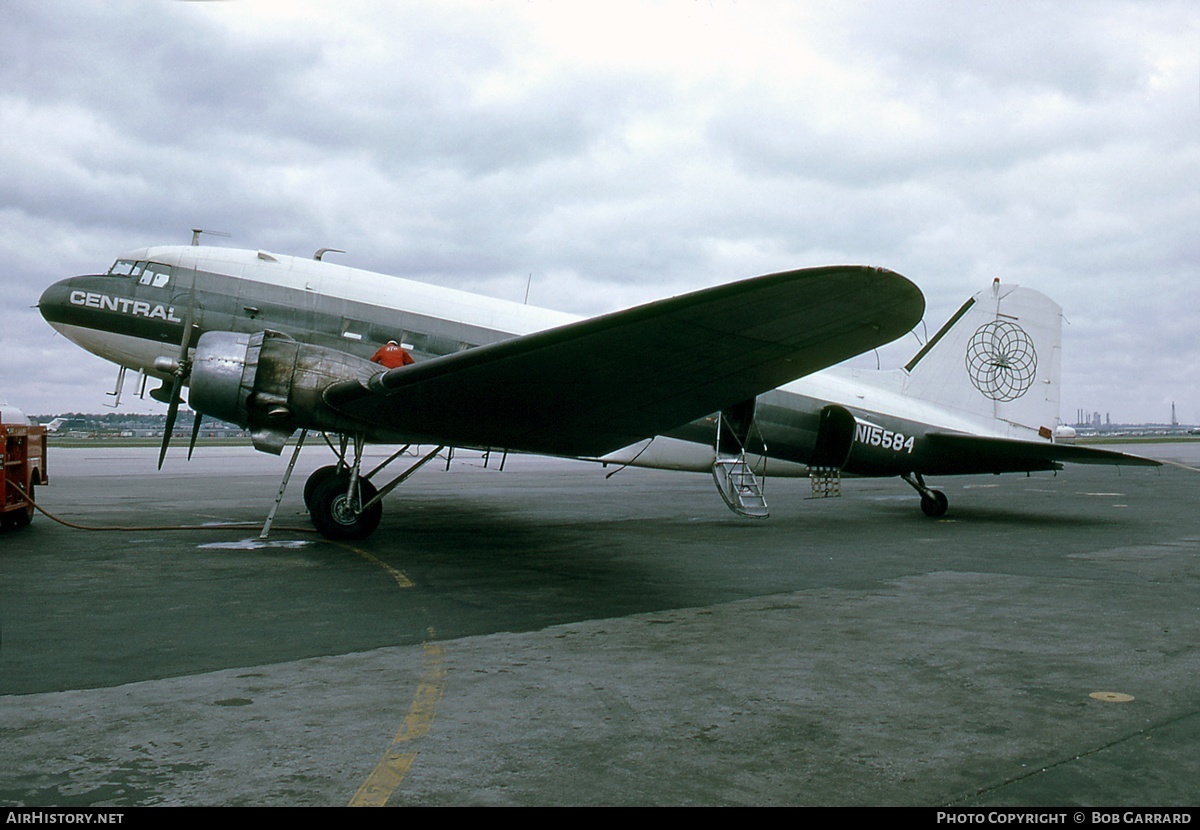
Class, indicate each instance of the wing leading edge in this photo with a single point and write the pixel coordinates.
(587, 388)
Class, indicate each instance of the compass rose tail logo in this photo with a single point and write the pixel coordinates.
(1001, 360)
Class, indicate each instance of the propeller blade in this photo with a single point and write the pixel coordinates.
(195, 432)
(172, 414)
(181, 371)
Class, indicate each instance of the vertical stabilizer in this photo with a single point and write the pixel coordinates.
(997, 359)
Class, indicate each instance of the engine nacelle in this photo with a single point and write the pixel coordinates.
(270, 384)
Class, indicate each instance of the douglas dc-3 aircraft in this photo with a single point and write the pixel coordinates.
(733, 380)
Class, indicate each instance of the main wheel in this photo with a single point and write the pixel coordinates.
(338, 517)
(935, 504)
(319, 475)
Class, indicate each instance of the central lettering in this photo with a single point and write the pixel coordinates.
(124, 305)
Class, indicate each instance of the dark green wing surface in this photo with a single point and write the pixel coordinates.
(590, 387)
(953, 453)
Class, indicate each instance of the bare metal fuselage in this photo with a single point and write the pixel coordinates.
(134, 319)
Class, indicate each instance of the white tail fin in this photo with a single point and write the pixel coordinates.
(998, 358)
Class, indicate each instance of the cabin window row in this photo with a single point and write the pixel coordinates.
(417, 341)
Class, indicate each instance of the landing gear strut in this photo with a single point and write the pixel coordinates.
(933, 502)
(341, 500)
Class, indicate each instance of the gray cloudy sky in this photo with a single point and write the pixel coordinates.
(620, 152)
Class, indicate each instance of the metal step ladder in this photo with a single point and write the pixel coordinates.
(739, 486)
(826, 482)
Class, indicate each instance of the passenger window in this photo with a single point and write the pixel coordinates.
(353, 329)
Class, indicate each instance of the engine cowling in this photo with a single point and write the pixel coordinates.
(270, 383)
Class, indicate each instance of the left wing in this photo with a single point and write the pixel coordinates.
(954, 453)
(591, 387)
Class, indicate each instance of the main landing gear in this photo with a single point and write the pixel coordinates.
(933, 502)
(342, 501)
(341, 508)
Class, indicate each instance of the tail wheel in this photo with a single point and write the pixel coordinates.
(934, 504)
(337, 515)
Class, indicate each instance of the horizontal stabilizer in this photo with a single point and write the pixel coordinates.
(982, 454)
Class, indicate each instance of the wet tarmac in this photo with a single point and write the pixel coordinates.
(544, 636)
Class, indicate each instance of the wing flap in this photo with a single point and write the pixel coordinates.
(590, 387)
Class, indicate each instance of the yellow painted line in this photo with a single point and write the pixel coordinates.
(398, 575)
(399, 757)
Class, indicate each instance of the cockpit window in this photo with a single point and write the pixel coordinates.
(154, 275)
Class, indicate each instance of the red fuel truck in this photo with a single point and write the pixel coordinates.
(23, 461)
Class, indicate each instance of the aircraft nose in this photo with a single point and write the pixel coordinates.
(66, 300)
(56, 300)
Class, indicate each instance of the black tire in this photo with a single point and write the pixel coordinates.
(21, 518)
(935, 504)
(331, 513)
(319, 475)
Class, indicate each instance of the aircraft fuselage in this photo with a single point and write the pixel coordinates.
(136, 314)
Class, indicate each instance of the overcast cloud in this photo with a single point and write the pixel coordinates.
(622, 152)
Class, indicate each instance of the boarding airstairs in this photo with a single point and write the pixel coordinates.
(740, 486)
(826, 482)
(737, 482)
